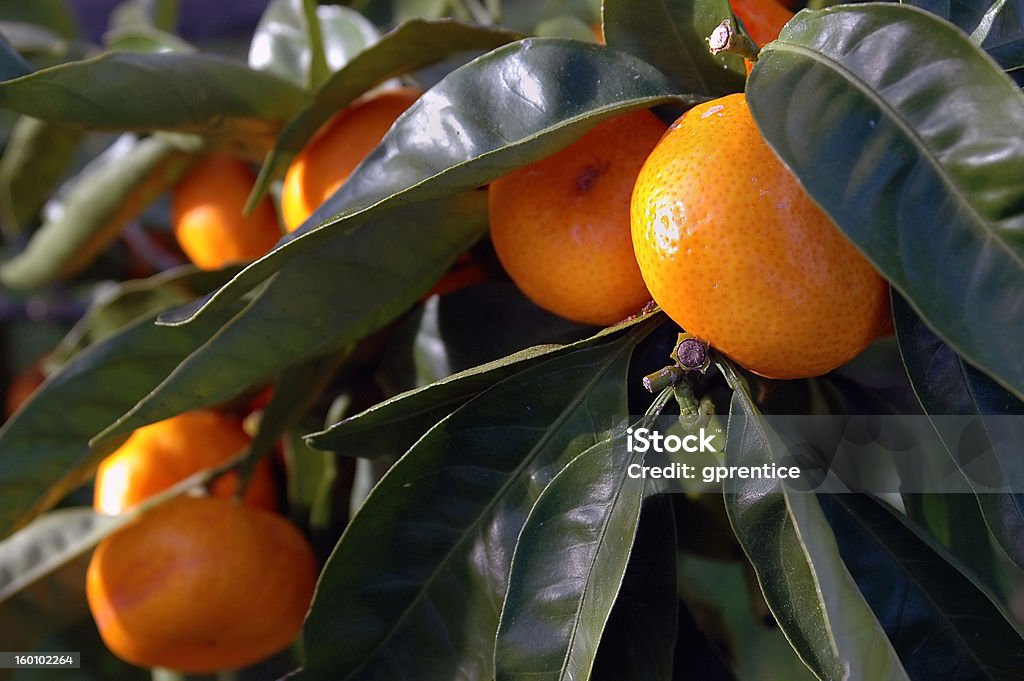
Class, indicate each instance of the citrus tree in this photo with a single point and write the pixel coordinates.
(366, 304)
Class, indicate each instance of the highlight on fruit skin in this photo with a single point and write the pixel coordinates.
(326, 162)
(208, 219)
(560, 226)
(735, 252)
(201, 585)
(158, 456)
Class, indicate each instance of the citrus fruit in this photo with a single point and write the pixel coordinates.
(206, 211)
(201, 585)
(331, 156)
(560, 226)
(763, 19)
(733, 249)
(162, 454)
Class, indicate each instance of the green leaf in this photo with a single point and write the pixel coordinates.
(36, 156)
(793, 551)
(161, 15)
(412, 45)
(640, 637)
(54, 15)
(464, 329)
(11, 63)
(671, 35)
(1003, 31)
(943, 624)
(321, 302)
(282, 41)
(44, 450)
(511, 107)
(392, 426)
(918, 165)
(182, 92)
(50, 541)
(120, 305)
(453, 507)
(566, 26)
(569, 562)
(145, 39)
(948, 386)
(105, 196)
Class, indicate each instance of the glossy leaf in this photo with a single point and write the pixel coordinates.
(392, 426)
(282, 43)
(949, 386)
(908, 136)
(793, 551)
(362, 282)
(36, 156)
(569, 562)
(941, 622)
(510, 107)
(453, 506)
(1003, 32)
(640, 635)
(182, 92)
(412, 45)
(44, 450)
(672, 35)
(109, 193)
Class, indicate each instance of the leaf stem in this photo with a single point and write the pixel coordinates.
(318, 69)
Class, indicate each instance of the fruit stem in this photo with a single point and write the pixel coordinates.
(666, 377)
(726, 39)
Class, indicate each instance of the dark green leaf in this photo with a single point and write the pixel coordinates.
(183, 92)
(569, 562)
(1003, 34)
(508, 108)
(793, 551)
(941, 622)
(105, 196)
(949, 386)
(321, 302)
(36, 156)
(11, 63)
(125, 303)
(640, 635)
(672, 35)
(467, 328)
(908, 136)
(44, 450)
(414, 44)
(452, 507)
(392, 426)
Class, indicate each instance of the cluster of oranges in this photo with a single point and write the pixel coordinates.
(701, 216)
(197, 584)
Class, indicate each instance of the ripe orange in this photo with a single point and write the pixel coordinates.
(763, 19)
(327, 161)
(201, 585)
(561, 226)
(160, 455)
(735, 252)
(207, 215)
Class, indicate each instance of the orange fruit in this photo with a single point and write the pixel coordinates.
(331, 156)
(598, 33)
(163, 454)
(560, 226)
(733, 249)
(206, 211)
(465, 272)
(201, 585)
(763, 19)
